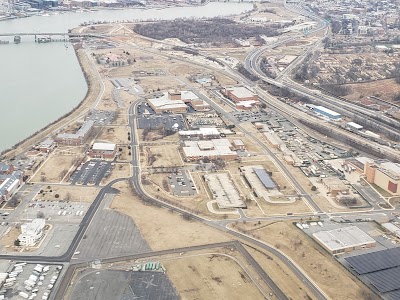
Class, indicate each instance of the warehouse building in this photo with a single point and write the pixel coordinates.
(78, 138)
(213, 149)
(224, 191)
(327, 112)
(354, 126)
(103, 150)
(32, 232)
(344, 240)
(238, 145)
(384, 174)
(392, 228)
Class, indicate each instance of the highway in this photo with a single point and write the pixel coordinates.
(252, 64)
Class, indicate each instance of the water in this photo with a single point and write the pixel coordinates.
(41, 82)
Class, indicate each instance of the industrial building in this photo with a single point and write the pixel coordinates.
(102, 150)
(335, 186)
(344, 240)
(392, 228)
(259, 180)
(78, 138)
(354, 126)
(326, 112)
(201, 133)
(223, 190)
(241, 96)
(213, 149)
(384, 174)
(31, 232)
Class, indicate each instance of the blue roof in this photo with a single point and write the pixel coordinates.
(265, 178)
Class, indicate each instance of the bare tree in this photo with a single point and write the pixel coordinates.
(40, 215)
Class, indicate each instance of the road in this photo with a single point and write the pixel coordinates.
(137, 186)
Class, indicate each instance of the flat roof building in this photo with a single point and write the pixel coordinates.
(344, 240)
(213, 149)
(47, 145)
(32, 232)
(224, 191)
(259, 180)
(77, 138)
(202, 133)
(243, 97)
(103, 150)
(385, 174)
(354, 126)
(327, 112)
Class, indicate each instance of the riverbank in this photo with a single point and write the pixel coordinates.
(93, 90)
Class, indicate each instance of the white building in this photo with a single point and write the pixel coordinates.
(31, 232)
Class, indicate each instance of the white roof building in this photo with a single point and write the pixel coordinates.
(31, 232)
(103, 147)
(344, 239)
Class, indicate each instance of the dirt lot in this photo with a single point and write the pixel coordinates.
(68, 193)
(152, 83)
(115, 134)
(166, 156)
(9, 238)
(384, 89)
(211, 277)
(163, 229)
(329, 274)
(54, 169)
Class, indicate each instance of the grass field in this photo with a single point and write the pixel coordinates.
(329, 274)
(211, 277)
(68, 193)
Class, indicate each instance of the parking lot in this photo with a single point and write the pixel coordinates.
(57, 211)
(117, 284)
(165, 120)
(101, 117)
(91, 173)
(182, 184)
(209, 119)
(42, 279)
(256, 116)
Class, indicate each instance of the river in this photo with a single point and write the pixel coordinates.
(41, 82)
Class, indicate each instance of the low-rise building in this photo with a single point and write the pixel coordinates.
(6, 168)
(259, 180)
(243, 97)
(335, 186)
(32, 232)
(212, 149)
(224, 191)
(77, 138)
(201, 133)
(103, 150)
(177, 102)
(344, 240)
(238, 145)
(9, 183)
(47, 145)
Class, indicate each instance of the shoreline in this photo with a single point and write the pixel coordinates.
(93, 89)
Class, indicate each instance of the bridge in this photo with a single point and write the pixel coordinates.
(70, 34)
